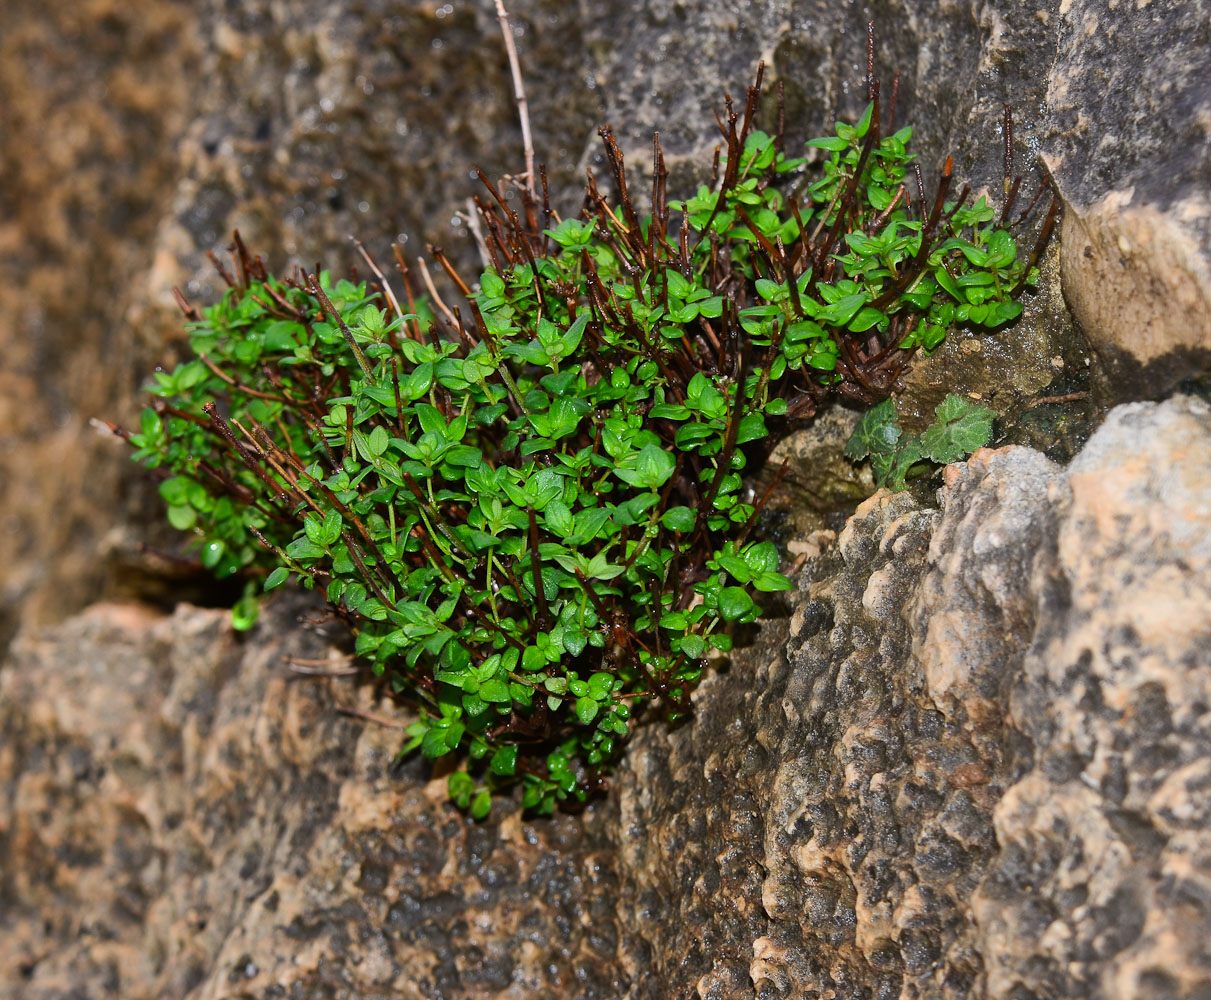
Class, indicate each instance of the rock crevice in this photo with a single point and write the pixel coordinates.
(974, 762)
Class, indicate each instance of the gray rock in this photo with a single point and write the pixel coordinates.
(180, 816)
(153, 132)
(973, 763)
(1131, 111)
(1113, 99)
(979, 767)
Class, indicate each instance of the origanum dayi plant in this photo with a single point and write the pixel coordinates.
(530, 507)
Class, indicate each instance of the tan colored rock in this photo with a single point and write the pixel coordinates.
(979, 765)
(1128, 149)
(139, 134)
(181, 816)
(974, 763)
(1139, 284)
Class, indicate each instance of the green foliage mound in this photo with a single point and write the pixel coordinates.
(530, 508)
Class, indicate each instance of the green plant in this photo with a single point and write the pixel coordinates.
(959, 428)
(530, 508)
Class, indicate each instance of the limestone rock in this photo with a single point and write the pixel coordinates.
(182, 817)
(972, 763)
(1130, 154)
(94, 99)
(1112, 96)
(139, 134)
(978, 769)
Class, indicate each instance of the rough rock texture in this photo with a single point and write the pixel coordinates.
(1131, 153)
(979, 767)
(1129, 160)
(974, 763)
(179, 817)
(93, 97)
(139, 134)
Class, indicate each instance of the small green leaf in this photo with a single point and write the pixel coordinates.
(771, 581)
(734, 603)
(960, 428)
(864, 122)
(600, 685)
(679, 518)
(460, 786)
(752, 428)
(559, 519)
(738, 568)
(331, 529)
(866, 318)
(212, 553)
(877, 432)
(496, 691)
(761, 557)
(245, 613)
(504, 761)
(277, 578)
(182, 518)
(832, 143)
(378, 441)
(693, 646)
(653, 466)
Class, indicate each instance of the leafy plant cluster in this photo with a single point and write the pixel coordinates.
(959, 428)
(530, 507)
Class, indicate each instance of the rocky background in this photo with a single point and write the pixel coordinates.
(972, 761)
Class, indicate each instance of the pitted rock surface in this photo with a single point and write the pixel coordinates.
(978, 767)
(974, 762)
(181, 818)
(1102, 885)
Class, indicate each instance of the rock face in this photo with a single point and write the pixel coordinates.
(94, 100)
(973, 763)
(978, 769)
(181, 817)
(140, 134)
(1131, 162)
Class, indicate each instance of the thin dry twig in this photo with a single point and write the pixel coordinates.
(1068, 397)
(340, 666)
(437, 299)
(358, 713)
(319, 672)
(471, 216)
(382, 278)
(519, 92)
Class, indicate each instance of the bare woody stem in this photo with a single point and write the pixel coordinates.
(318, 292)
(519, 92)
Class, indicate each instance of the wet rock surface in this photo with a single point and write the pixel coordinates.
(971, 763)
